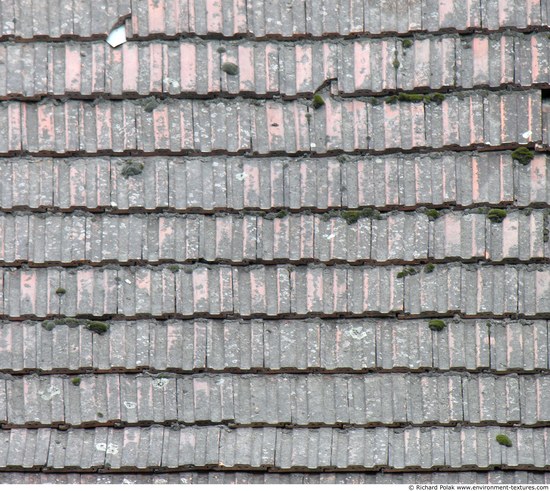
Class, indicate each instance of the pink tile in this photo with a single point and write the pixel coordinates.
(46, 130)
(188, 71)
(156, 13)
(304, 67)
(214, 19)
(155, 68)
(480, 52)
(130, 67)
(362, 74)
(161, 128)
(246, 69)
(14, 127)
(73, 64)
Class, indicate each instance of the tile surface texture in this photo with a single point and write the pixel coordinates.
(280, 242)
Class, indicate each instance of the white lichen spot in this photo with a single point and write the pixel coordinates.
(357, 333)
(110, 448)
(241, 177)
(128, 281)
(527, 134)
(159, 383)
(49, 393)
(129, 404)
(101, 447)
(128, 481)
(329, 237)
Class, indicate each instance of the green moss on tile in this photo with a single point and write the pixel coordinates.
(406, 43)
(504, 440)
(436, 97)
(496, 215)
(396, 63)
(437, 325)
(410, 97)
(429, 268)
(353, 216)
(318, 101)
(432, 214)
(281, 214)
(68, 321)
(60, 291)
(221, 49)
(76, 381)
(174, 268)
(523, 155)
(230, 68)
(48, 325)
(132, 168)
(407, 272)
(150, 104)
(97, 327)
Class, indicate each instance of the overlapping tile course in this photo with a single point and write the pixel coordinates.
(289, 346)
(243, 477)
(275, 400)
(354, 67)
(403, 181)
(266, 270)
(297, 238)
(489, 119)
(299, 18)
(274, 291)
(264, 448)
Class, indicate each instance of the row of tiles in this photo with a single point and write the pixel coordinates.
(242, 477)
(201, 127)
(275, 291)
(190, 68)
(297, 400)
(295, 18)
(288, 346)
(41, 239)
(218, 183)
(273, 448)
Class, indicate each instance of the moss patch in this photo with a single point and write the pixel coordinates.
(60, 291)
(429, 268)
(496, 215)
(353, 216)
(132, 168)
(230, 68)
(174, 268)
(406, 43)
(150, 104)
(407, 272)
(318, 101)
(403, 97)
(48, 325)
(432, 214)
(75, 381)
(97, 327)
(523, 155)
(281, 214)
(437, 325)
(504, 440)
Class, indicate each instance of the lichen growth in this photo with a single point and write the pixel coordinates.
(504, 440)
(132, 168)
(318, 101)
(523, 155)
(97, 327)
(429, 268)
(437, 325)
(75, 381)
(230, 68)
(496, 215)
